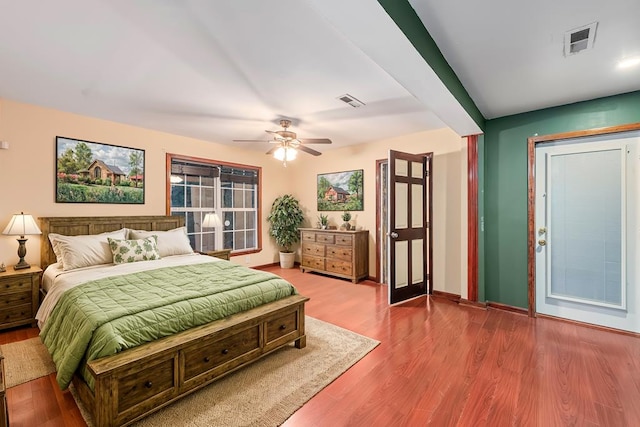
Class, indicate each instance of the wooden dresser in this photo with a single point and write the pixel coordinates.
(338, 253)
(19, 296)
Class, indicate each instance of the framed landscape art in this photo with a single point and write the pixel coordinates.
(341, 191)
(92, 172)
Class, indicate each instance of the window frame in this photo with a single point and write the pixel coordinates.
(170, 157)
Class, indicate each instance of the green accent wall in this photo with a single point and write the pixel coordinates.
(505, 183)
(410, 24)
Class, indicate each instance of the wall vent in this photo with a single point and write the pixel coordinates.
(579, 39)
(350, 100)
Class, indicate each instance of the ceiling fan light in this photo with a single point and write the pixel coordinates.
(279, 154)
(291, 154)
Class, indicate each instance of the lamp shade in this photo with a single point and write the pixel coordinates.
(21, 225)
(211, 220)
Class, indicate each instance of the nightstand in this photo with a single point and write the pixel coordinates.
(19, 296)
(222, 254)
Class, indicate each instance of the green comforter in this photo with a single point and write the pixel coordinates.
(106, 316)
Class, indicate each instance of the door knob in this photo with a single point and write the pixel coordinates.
(393, 235)
(542, 242)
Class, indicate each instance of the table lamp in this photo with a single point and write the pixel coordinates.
(21, 225)
(211, 220)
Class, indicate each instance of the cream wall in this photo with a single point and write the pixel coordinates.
(449, 196)
(27, 170)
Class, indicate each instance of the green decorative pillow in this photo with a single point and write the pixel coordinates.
(125, 251)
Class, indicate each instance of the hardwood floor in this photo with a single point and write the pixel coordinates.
(438, 364)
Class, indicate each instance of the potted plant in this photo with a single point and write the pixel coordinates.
(346, 217)
(324, 221)
(284, 219)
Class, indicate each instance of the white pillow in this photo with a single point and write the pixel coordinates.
(172, 242)
(126, 251)
(84, 250)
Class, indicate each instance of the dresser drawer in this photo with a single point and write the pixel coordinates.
(16, 313)
(312, 262)
(325, 238)
(339, 252)
(141, 385)
(15, 284)
(281, 326)
(216, 352)
(313, 249)
(344, 240)
(13, 299)
(308, 236)
(341, 267)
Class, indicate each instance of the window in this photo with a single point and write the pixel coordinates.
(198, 187)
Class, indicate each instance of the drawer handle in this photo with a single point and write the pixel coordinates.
(148, 384)
(283, 327)
(225, 351)
(207, 359)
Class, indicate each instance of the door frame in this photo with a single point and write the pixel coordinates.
(531, 190)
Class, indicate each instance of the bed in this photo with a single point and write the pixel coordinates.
(124, 387)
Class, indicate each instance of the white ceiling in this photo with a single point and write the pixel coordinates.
(220, 70)
(509, 54)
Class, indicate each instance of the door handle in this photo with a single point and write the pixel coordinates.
(542, 242)
(393, 235)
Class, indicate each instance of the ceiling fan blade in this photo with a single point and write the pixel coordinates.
(250, 140)
(315, 140)
(308, 150)
(272, 150)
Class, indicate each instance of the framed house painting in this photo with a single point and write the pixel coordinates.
(341, 191)
(91, 172)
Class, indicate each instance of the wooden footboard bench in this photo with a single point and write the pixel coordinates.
(139, 381)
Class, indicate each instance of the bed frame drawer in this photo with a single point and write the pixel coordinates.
(279, 329)
(155, 383)
(214, 352)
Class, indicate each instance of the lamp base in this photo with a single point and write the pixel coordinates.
(21, 265)
(22, 252)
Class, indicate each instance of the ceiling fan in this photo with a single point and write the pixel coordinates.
(287, 143)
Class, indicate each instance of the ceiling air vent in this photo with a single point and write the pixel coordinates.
(579, 39)
(350, 100)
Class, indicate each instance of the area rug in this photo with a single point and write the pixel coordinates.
(25, 361)
(268, 391)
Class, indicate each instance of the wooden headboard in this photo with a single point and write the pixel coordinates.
(78, 225)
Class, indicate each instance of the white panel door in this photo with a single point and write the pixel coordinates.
(587, 230)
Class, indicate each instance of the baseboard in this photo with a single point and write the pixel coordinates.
(509, 308)
(446, 295)
(273, 264)
(589, 325)
(475, 304)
